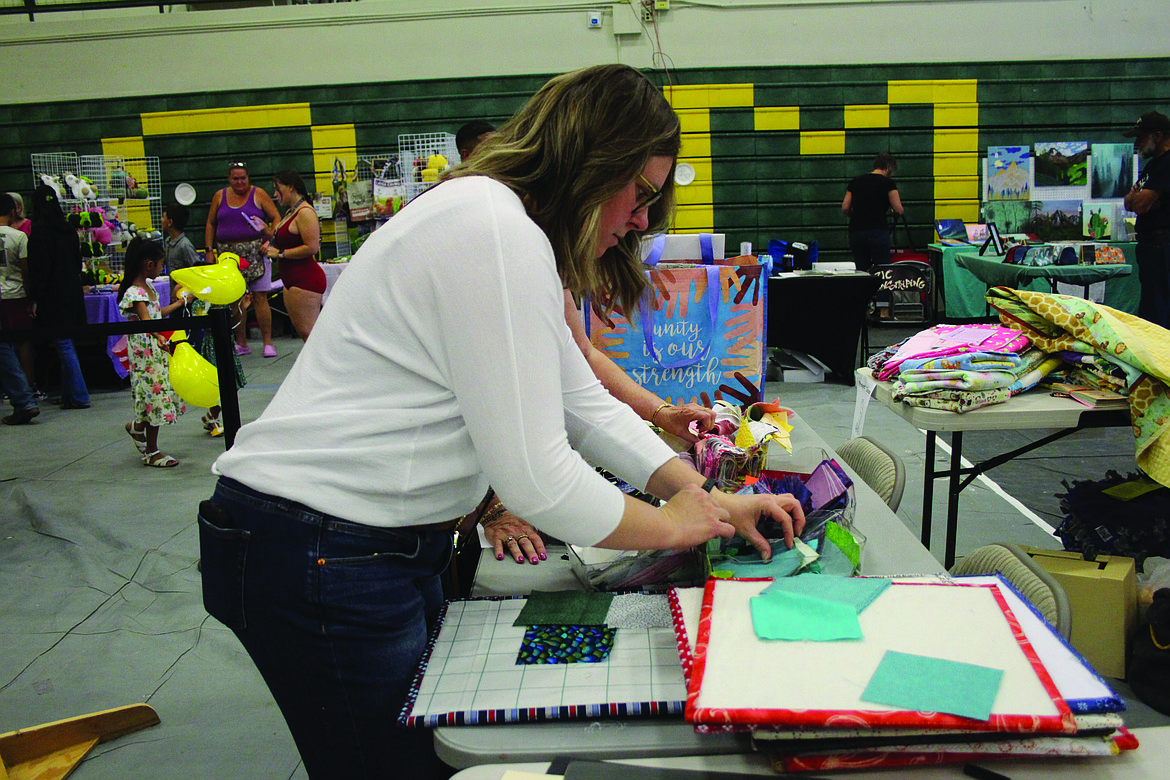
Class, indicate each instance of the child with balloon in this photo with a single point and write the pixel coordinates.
(155, 402)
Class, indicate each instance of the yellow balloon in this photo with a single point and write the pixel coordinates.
(219, 283)
(193, 376)
(177, 336)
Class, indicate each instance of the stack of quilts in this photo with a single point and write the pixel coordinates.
(963, 367)
(834, 673)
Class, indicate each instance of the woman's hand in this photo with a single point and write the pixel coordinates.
(745, 511)
(677, 420)
(511, 536)
(268, 250)
(696, 517)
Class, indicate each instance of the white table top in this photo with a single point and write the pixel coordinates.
(1035, 408)
(890, 548)
(1148, 761)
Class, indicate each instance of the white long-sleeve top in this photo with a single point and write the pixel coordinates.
(441, 364)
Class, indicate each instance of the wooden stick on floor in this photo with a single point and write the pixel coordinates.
(52, 750)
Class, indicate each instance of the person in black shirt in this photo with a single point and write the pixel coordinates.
(1151, 140)
(867, 199)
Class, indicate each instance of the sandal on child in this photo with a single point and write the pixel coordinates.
(212, 425)
(138, 436)
(158, 460)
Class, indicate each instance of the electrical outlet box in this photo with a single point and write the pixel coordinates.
(661, 5)
(593, 18)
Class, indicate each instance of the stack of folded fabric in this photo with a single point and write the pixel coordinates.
(1098, 371)
(833, 673)
(963, 367)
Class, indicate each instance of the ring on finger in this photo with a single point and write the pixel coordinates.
(522, 536)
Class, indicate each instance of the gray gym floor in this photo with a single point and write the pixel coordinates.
(100, 595)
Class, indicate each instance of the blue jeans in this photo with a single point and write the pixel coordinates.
(1153, 262)
(870, 248)
(20, 395)
(73, 389)
(336, 616)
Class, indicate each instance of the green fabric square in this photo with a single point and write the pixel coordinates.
(564, 608)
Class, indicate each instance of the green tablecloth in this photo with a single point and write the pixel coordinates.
(964, 295)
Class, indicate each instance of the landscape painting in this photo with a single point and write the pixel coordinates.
(1055, 220)
(1062, 163)
(1112, 170)
(1008, 173)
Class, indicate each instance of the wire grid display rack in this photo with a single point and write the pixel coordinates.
(127, 189)
(418, 160)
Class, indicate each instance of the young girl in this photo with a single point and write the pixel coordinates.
(155, 401)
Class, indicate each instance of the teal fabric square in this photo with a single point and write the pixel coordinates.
(791, 616)
(923, 684)
(858, 592)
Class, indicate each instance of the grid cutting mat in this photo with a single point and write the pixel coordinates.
(470, 674)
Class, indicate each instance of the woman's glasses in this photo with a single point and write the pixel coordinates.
(237, 164)
(649, 196)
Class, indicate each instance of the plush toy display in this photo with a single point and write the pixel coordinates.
(53, 182)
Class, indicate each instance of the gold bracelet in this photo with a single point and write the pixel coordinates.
(493, 514)
(656, 411)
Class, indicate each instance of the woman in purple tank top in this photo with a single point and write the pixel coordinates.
(238, 221)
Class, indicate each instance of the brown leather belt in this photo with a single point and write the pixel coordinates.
(446, 525)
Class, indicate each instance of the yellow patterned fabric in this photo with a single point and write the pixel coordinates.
(1062, 322)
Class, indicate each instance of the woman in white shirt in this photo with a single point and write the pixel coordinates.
(442, 364)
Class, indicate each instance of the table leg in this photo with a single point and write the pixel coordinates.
(928, 490)
(953, 498)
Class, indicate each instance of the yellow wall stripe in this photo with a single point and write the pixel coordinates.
(933, 91)
(695, 145)
(860, 117)
(329, 142)
(711, 96)
(124, 147)
(223, 120)
(956, 115)
(772, 118)
(694, 120)
(822, 142)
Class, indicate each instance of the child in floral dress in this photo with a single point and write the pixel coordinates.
(155, 401)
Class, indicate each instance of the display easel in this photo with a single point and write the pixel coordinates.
(52, 751)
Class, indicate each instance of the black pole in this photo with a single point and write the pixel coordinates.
(225, 362)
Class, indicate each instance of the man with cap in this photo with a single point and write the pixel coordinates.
(1151, 140)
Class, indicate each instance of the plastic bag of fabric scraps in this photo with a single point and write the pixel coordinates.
(827, 545)
(737, 447)
(1118, 515)
(645, 570)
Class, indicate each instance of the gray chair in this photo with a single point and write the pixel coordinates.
(1017, 567)
(881, 469)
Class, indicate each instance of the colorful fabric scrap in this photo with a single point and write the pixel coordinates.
(566, 645)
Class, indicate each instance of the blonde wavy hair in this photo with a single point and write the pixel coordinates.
(578, 142)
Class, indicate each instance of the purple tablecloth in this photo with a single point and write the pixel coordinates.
(103, 307)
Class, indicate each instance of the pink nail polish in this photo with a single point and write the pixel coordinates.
(542, 556)
(534, 559)
(499, 556)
